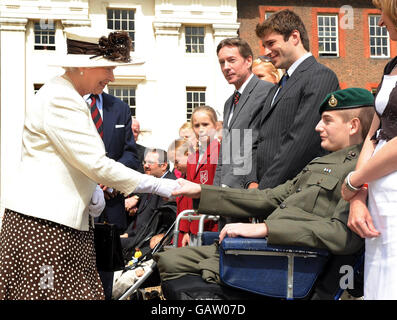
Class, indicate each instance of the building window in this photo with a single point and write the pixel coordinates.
(194, 39)
(126, 94)
(122, 19)
(328, 35)
(44, 36)
(378, 38)
(194, 97)
(268, 14)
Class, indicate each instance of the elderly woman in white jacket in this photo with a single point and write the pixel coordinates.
(47, 249)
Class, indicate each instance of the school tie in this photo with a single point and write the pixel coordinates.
(236, 97)
(96, 116)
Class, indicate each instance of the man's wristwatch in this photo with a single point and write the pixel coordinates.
(349, 186)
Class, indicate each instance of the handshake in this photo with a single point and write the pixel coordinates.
(166, 188)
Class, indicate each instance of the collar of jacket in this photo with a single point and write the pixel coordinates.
(340, 156)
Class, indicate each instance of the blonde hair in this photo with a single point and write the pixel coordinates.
(183, 145)
(274, 72)
(208, 110)
(389, 7)
(186, 125)
(179, 146)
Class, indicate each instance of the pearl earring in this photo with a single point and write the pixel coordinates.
(81, 73)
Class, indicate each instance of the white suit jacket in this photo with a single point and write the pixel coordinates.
(63, 158)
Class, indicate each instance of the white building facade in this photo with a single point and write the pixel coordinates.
(176, 39)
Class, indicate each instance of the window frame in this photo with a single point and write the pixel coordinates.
(386, 36)
(195, 36)
(112, 90)
(268, 14)
(120, 20)
(44, 46)
(329, 53)
(191, 105)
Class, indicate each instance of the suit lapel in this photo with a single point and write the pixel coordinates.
(228, 109)
(244, 97)
(296, 76)
(109, 120)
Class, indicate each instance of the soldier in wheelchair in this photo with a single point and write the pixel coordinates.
(307, 211)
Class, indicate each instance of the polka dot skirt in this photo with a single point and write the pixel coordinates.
(40, 259)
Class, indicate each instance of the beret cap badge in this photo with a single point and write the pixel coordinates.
(332, 102)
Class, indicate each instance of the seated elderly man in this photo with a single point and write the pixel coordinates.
(305, 211)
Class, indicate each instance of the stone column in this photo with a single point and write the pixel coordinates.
(169, 87)
(13, 97)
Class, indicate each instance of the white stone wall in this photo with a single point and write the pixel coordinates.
(159, 40)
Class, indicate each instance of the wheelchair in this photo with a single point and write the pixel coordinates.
(253, 269)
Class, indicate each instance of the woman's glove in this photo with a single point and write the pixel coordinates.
(162, 187)
(97, 203)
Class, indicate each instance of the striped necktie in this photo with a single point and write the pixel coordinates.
(96, 116)
(236, 97)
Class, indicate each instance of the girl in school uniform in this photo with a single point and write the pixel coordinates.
(201, 165)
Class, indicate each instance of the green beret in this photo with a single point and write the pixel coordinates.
(347, 99)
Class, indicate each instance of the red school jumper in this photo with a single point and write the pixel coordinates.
(204, 174)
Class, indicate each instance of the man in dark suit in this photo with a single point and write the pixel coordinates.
(114, 122)
(287, 140)
(153, 215)
(240, 115)
(120, 146)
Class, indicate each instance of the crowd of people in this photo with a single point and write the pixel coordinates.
(310, 163)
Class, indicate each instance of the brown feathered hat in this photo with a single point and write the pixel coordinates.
(86, 47)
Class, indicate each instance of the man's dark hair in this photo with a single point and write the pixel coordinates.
(284, 22)
(242, 45)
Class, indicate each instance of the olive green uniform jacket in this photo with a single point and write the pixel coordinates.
(305, 211)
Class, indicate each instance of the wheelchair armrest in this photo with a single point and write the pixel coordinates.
(259, 246)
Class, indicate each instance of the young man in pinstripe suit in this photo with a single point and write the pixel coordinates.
(287, 140)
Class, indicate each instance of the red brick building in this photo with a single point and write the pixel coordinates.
(344, 38)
